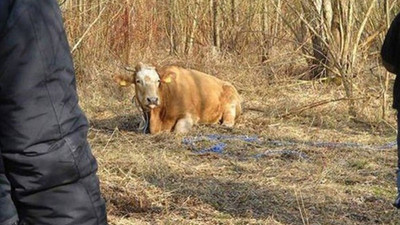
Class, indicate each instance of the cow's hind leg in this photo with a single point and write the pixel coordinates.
(229, 115)
(232, 108)
(184, 125)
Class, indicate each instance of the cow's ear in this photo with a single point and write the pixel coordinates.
(168, 77)
(123, 81)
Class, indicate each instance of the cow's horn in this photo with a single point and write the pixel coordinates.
(130, 69)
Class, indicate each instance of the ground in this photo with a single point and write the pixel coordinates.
(158, 179)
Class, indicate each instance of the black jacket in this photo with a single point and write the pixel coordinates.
(43, 144)
(390, 54)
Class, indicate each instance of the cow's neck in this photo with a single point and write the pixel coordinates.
(158, 114)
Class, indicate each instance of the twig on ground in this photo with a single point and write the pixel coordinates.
(315, 104)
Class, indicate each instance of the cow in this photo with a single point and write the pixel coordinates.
(174, 98)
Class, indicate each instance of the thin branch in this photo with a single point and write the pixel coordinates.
(360, 31)
(87, 31)
(316, 104)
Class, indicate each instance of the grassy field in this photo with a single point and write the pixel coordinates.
(299, 67)
(156, 179)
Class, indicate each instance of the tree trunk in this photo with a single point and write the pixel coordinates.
(233, 22)
(347, 7)
(190, 39)
(171, 28)
(386, 80)
(233, 13)
(314, 8)
(264, 27)
(216, 25)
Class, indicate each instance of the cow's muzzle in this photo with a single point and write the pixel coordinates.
(152, 102)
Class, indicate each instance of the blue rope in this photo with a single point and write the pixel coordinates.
(320, 144)
(218, 137)
(220, 146)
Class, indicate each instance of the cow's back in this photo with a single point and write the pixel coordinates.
(198, 95)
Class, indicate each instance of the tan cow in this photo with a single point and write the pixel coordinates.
(176, 98)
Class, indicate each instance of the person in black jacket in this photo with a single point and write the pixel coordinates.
(47, 170)
(390, 54)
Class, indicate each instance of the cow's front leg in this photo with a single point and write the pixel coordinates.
(184, 125)
(155, 127)
(156, 124)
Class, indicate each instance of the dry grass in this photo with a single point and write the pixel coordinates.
(157, 180)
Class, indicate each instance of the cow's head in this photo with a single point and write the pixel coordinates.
(147, 85)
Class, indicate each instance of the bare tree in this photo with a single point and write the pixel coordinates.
(335, 39)
(319, 17)
(269, 27)
(190, 38)
(171, 30)
(264, 25)
(234, 15)
(216, 24)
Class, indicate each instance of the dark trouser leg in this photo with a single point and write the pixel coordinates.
(58, 186)
(47, 158)
(8, 213)
(397, 201)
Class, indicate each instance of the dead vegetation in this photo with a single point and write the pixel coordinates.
(261, 48)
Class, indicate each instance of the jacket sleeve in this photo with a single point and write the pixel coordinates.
(8, 212)
(4, 11)
(390, 51)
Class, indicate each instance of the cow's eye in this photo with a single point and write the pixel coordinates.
(138, 81)
(159, 81)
